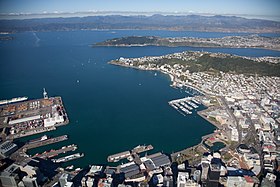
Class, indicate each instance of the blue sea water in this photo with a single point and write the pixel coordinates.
(111, 108)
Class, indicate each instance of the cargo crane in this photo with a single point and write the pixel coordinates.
(45, 94)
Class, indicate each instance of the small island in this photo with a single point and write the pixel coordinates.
(250, 41)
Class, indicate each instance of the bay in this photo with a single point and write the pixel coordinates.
(111, 108)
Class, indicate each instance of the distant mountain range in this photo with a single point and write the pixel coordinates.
(154, 22)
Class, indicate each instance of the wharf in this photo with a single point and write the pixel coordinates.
(53, 153)
(126, 154)
(142, 148)
(185, 105)
(203, 138)
(180, 100)
(45, 142)
(117, 157)
(31, 132)
(21, 155)
(31, 117)
(68, 158)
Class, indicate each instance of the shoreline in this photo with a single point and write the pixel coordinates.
(194, 46)
(200, 113)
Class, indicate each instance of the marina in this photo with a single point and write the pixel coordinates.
(185, 105)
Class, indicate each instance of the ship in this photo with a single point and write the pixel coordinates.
(196, 101)
(69, 167)
(68, 158)
(13, 100)
(45, 137)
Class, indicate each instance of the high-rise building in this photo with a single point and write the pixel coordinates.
(30, 181)
(63, 179)
(9, 177)
(213, 175)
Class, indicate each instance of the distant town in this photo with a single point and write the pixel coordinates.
(250, 41)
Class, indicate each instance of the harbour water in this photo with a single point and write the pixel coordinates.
(111, 109)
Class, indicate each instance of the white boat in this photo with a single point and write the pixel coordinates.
(68, 158)
(14, 100)
(196, 101)
(45, 137)
(69, 167)
(187, 106)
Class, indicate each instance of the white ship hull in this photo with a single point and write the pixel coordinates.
(14, 100)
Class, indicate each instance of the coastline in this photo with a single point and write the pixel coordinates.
(170, 45)
(202, 115)
(174, 156)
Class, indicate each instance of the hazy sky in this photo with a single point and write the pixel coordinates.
(251, 7)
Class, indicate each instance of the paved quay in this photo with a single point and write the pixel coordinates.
(32, 145)
(26, 118)
(53, 153)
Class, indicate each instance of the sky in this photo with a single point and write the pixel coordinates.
(269, 8)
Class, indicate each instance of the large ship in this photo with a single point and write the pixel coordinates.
(45, 137)
(68, 158)
(14, 100)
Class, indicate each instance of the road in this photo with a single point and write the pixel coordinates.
(224, 103)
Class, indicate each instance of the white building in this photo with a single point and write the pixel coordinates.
(234, 135)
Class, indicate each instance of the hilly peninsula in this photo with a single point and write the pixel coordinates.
(249, 41)
(195, 61)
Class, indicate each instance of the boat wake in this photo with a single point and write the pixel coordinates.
(37, 40)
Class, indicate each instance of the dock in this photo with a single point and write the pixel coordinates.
(31, 132)
(20, 154)
(142, 148)
(29, 117)
(185, 105)
(68, 158)
(128, 154)
(118, 156)
(53, 153)
(48, 141)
